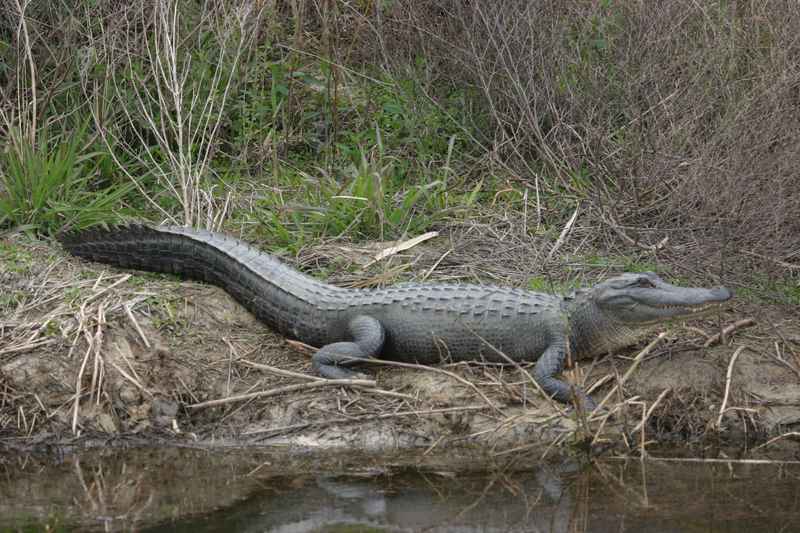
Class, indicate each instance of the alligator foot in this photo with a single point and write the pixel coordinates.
(550, 364)
(332, 359)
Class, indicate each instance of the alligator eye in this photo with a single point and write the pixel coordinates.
(645, 283)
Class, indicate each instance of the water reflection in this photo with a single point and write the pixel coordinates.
(174, 490)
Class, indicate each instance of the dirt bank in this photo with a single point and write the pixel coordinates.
(146, 354)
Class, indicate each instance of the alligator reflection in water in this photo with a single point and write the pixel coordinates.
(413, 501)
(170, 490)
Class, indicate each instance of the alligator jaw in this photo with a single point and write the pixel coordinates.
(622, 310)
(644, 299)
(670, 313)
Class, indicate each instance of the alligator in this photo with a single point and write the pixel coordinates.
(424, 323)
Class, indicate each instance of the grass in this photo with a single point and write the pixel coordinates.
(55, 183)
(389, 168)
(14, 258)
(9, 300)
(167, 317)
(370, 204)
(763, 289)
(366, 149)
(331, 152)
(551, 286)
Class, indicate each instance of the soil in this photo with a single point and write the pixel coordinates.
(145, 350)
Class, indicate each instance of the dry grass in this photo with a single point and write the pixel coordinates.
(86, 353)
(675, 119)
(158, 96)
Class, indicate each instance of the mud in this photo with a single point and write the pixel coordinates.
(143, 350)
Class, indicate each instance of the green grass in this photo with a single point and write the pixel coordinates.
(14, 258)
(372, 202)
(11, 299)
(379, 163)
(167, 317)
(761, 289)
(552, 286)
(55, 182)
(375, 160)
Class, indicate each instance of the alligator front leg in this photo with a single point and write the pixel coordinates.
(549, 365)
(368, 336)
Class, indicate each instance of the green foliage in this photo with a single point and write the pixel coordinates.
(788, 291)
(374, 160)
(54, 183)
(552, 286)
(14, 258)
(287, 110)
(374, 202)
(761, 288)
(11, 299)
(167, 318)
(624, 263)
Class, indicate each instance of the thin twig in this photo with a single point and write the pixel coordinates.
(779, 437)
(384, 392)
(609, 220)
(286, 389)
(290, 374)
(435, 370)
(727, 330)
(104, 290)
(136, 326)
(651, 409)
(130, 378)
(428, 272)
(78, 389)
(519, 368)
(308, 350)
(634, 365)
(728, 378)
(790, 266)
(280, 371)
(564, 233)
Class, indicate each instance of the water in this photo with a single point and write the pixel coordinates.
(172, 490)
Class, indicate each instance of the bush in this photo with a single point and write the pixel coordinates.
(674, 116)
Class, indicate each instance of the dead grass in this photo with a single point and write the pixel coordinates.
(673, 120)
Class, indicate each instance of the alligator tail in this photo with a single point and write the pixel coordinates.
(273, 291)
(144, 248)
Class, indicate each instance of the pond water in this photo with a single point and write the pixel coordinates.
(166, 490)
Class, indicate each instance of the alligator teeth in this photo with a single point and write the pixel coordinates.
(689, 308)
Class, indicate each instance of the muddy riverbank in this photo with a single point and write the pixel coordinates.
(90, 354)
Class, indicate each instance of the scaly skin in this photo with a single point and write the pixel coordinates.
(421, 323)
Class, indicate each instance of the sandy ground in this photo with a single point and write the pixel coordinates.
(147, 353)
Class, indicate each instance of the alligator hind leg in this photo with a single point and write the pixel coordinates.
(368, 336)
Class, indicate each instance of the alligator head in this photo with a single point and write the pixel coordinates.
(621, 310)
(644, 298)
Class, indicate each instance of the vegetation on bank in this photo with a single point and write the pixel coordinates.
(230, 126)
(291, 122)
(550, 141)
